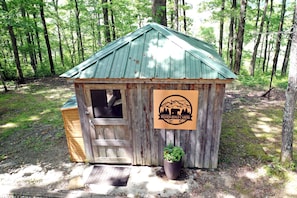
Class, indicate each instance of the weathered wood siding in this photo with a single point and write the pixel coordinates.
(201, 145)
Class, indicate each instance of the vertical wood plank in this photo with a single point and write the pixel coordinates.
(84, 121)
(202, 119)
(127, 131)
(131, 101)
(162, 143)
(218, 111)
(177, 140)
(196, 135)
(140, 125)
(147, 127)
(192, 133)
(154, 133)
(210, 122)
(169, 137)
(100, 135)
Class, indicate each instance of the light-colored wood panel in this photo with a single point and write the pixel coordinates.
(76, 149)
(112, 143)
(71, 122)
(113, 160)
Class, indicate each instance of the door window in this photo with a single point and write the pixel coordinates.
(106, 103)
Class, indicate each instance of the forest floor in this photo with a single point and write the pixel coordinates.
(34, 159)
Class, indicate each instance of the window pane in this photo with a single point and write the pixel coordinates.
(107, 103)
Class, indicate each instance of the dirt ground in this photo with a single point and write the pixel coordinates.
(49, 173)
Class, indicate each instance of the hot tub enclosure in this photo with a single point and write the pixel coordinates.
(114, 90)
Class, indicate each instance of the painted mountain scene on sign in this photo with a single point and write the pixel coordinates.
(175, 110)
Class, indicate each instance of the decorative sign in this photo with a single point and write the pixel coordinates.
(175, 109)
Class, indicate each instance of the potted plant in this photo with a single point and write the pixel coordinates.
(173, 161)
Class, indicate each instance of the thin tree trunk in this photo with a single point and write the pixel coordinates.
(279, 38)
(14, 47)
(231, 35)
(222, 27)
(37, 37)
(270, 47)
(258, 13)
(288, 49)
(2, 80)
(29, 42)
(56, 6)
(46, 38)
(176, 7)
(287, 55)
(291, 98)
(185, 17)
(112, 22)
(267, 39)
(255, 51)
(240, 37)
(159, 12)
(105, 21)
(78, 33)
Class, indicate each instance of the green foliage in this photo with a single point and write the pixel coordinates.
(262, 80)
(173, 153)
(207, 34)
(279, 170)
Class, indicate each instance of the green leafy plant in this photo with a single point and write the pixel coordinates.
(173, 153)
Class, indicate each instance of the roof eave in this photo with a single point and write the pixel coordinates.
(152, 80)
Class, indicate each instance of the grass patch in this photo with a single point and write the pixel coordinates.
(238, 142)
(34, 104)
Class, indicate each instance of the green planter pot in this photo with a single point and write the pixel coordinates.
(172, 169)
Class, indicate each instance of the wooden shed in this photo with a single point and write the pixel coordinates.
(152, 87)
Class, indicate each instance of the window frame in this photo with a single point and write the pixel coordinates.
(106, 121)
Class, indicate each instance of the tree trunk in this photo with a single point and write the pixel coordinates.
(185, 17)
(255, 51)
(46, 38)
(78, 33)
(291, 97)
(222, 27)
(267, 38)
(3, 81)
(288, 49)
(258, 13)
(29, 43)
(112, 22)
(176, 7)
(14, 47)
(105, 21)
(279, 38)
(240, 37)
(56, 6)
(37, 37)
(159, 12)
(231, 35)
(287, 54)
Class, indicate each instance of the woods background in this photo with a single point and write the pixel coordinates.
(45, 38)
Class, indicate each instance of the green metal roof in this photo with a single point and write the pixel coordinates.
(154, 52)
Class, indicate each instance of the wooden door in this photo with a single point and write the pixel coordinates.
(110, 134)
